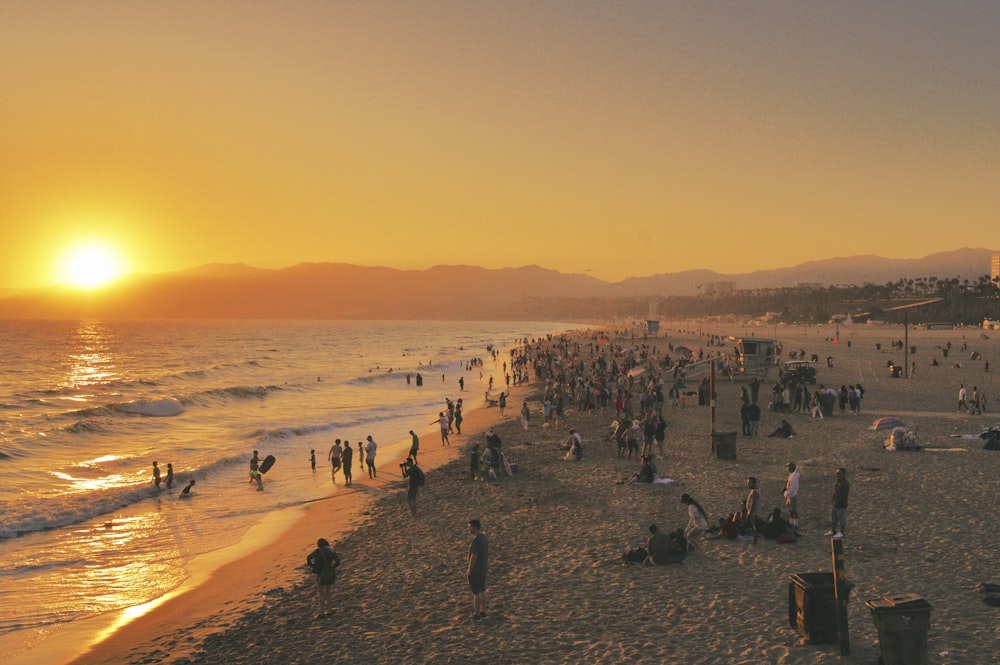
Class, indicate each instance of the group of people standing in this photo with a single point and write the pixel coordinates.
(341, 458)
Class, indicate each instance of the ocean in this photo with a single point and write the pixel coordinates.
(86, 407)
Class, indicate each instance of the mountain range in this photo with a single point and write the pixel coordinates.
(457, 292)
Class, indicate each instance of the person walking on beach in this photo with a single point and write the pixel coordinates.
(415, 445)
(478, 566)
(442, 422)
(324, 562)
(502, 401)
(156, 476)
(791, 493)
(370, 457)
(346, 457)
(170, 475)
(838, 515)
(525, 416)
(976, 409)
(417, 478)
(962, 406)
(334, 458)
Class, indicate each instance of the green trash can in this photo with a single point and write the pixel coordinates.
(725, 444)
(902, 625)
(812, 606)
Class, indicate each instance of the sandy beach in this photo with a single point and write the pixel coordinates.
(918, 522)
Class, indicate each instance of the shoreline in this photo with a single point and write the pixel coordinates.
(282, 555)
(558, 590)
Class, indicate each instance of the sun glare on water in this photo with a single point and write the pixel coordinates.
(91, 265)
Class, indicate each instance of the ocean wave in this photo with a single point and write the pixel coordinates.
(85, 426)
(4, 455)
(162, 407)
(32, 514)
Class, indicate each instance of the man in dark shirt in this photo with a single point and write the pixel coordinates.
(838, 515)
(478, 566)
(658, 547)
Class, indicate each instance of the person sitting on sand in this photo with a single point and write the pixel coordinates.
(574, 445)
(646, 474)
(777, 526)
(783, 431)
(657, 547)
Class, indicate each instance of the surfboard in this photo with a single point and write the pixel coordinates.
(266, 465)
(507, 468)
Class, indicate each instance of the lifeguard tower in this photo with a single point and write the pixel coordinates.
(754, 355)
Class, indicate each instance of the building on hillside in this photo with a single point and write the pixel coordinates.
(995, 269)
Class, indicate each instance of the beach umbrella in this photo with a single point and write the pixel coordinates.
(886, 423)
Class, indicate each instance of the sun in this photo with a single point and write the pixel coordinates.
(90, 265)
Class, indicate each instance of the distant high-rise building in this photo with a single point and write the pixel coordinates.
(995, 268)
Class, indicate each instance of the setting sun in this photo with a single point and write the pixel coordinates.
(90, 265)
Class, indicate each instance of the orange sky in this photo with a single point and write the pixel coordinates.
(623, 138)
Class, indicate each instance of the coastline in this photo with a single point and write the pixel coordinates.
(208, 601)
(558, 591)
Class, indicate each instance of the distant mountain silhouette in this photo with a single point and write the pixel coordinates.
(344, 291)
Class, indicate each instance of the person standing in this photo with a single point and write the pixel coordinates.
(414, 445)
(791, 493)
(416, 478)
(312, 459)
(838, 515)
(170, 475)
(442, 422)
(478, 567)
(502, 401)
(370, 457)
(525, 416)
(361, 456)
(458, 417)
(156, 476)
(334, 458)
(661, 433)
(976, 409)
(753, 506)
(324, 562)
(346, 456)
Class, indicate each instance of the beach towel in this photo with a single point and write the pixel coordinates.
(662, 481)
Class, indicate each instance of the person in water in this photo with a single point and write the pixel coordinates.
(186, 492)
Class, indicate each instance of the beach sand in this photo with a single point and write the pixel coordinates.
(919, 522)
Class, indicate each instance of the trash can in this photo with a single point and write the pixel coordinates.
(826, 403)
(725, 444)
(812, 606)
(902, 624)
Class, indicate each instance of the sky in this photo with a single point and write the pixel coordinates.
(615, 139)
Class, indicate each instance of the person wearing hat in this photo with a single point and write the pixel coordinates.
(792, 494)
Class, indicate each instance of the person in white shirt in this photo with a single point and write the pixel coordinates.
(792, 494)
